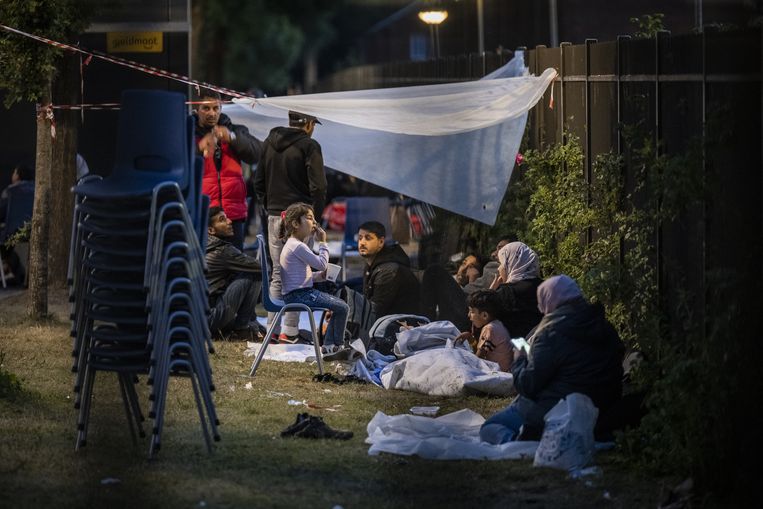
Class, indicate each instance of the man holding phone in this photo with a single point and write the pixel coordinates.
(224, 146)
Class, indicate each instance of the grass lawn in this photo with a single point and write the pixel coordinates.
(252, 466)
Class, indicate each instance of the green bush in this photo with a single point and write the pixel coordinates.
(605, 237)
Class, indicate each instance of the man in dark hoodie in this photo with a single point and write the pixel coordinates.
(290, 171)
(234, 281)
(388, 282)
(573, 349)
(224, 146)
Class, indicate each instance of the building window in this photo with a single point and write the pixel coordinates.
(417, 47)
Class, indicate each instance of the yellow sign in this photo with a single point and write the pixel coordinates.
(134, 42)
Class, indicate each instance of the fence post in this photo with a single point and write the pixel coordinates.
(657, 152)
(702, 293)
(562, 73)
(619, 72)
(588, 156)
(539, 106)
(621, 39)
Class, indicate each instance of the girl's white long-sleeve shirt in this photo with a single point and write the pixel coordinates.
(297, 262)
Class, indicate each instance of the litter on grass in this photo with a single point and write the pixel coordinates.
(427, 411)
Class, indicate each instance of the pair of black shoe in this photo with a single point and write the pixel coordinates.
(339, 380)
(311, 426)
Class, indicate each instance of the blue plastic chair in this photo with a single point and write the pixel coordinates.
(152, 146)
(279, 307)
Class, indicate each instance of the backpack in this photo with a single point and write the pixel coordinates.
(361, 316)
(383, 333)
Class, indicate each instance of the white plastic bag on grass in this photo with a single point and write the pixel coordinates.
(567, 442)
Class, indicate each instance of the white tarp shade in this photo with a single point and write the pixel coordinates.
(450, 145)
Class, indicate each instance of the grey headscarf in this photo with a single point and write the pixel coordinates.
(519, 261)
(555, 291)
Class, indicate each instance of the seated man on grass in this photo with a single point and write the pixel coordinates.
(388, 282)
(234, 280)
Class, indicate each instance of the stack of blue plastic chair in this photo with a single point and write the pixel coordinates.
(136, 268)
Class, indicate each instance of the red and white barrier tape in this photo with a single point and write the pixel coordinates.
(46, 112)
(128, 63)
(101, 106)
(110, 106)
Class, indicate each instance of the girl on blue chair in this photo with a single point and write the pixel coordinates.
(297, 276)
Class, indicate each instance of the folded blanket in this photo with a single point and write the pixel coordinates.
(447, 372)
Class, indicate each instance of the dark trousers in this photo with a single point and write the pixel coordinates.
(442, 298)
(239, 226)
(234, 309)
(10, 257)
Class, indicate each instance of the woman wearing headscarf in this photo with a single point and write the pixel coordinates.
(517, 282)
(573, 349)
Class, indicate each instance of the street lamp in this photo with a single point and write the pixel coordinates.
(433, 18)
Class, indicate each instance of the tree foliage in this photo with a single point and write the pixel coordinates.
(648, 25)
(28, 65)
(248, 44)
(270, 44)
(27, 73)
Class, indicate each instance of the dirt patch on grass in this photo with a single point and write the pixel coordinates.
(14, 304)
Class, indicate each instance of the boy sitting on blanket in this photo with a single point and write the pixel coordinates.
(494, 340)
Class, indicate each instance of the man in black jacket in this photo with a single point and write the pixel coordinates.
(388, 282)
(290, 171)
(234, 281)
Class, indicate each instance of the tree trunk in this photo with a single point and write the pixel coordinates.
(63, 169)
(311, 71)
(38, 243)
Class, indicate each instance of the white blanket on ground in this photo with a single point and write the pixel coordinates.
(283, 353)
(447, 372)
(450, 437)
(434, 334)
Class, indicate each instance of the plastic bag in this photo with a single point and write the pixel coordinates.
(567, 442)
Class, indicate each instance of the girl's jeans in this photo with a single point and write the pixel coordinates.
(317, 299)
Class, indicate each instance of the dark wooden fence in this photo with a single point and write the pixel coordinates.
(677, 87)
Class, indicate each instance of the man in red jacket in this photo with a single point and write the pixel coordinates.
(224, 146)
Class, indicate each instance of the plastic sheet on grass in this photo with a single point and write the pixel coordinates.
(454, 436)
(283, 353)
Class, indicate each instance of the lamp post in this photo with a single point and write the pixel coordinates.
(480, 27)
(433, 18)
